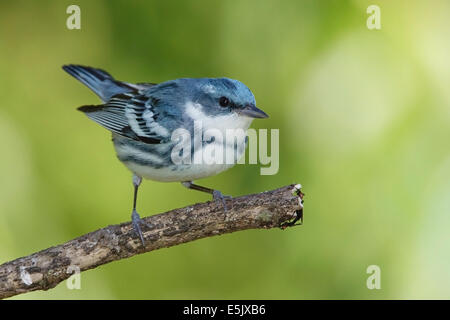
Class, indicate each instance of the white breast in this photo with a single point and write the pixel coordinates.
(189, 172)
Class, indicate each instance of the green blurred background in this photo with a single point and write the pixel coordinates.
(364, 119)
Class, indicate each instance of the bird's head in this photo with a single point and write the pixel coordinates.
(223, 96)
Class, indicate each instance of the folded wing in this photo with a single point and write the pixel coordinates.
(132, 115)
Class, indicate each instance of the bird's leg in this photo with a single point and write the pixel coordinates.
(135, 218)
(217, 195)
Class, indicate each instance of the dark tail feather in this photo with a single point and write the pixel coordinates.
(99, 81)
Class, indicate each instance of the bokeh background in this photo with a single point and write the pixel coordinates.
(364, 119)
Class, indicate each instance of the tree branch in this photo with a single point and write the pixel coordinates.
(45, 269)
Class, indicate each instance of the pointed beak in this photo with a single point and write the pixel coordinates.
(252, 111)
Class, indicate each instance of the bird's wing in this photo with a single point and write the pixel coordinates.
(132, 115)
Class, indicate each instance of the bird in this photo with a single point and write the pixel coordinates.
(142, 117)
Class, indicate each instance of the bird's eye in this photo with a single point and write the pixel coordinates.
(223, 101)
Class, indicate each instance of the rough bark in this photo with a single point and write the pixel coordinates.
(43, 270)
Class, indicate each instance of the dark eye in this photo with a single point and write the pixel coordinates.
(223, 101)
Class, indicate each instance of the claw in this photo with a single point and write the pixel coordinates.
(218, 196)
(136, 221)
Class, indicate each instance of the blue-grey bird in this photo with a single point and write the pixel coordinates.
(143, 116)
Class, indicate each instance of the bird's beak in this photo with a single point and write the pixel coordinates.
(252, 111)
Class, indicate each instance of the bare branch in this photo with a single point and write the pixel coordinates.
(45, 269)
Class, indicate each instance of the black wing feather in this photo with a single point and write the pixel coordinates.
(123, 115)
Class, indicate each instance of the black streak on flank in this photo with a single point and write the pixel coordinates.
(128, 132)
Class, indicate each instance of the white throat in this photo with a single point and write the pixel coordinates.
(221, 122)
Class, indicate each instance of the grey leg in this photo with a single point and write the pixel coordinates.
(135, 218)
(217, 195)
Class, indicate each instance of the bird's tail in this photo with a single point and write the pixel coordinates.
(99, 81)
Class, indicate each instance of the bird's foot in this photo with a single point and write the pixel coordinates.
(137, 221)
(218, 196)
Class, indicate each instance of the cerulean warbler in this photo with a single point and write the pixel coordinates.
(143, 117)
